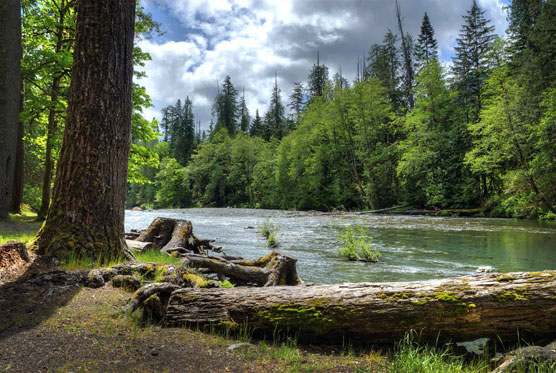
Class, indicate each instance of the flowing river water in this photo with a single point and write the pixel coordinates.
(412, 247)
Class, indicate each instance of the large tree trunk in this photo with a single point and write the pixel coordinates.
(87, 210)
(507, 306)
(10, 72)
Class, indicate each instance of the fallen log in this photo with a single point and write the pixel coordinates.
(273, 269)
(498, 306)
(169, 234)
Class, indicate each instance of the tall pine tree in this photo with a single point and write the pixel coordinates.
(426, 48)
(226, 108)
(470, 62)
(317, 79)
(244, 117)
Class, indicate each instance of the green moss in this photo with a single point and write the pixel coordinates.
(448, 297)
(505, 277)
(510, 296)
(382, 296)
(301, 317)
(195, 280)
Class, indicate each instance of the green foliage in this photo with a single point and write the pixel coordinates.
(357, 244)
(412, 357)
(156, 256)
(172, 186)
(226, 284)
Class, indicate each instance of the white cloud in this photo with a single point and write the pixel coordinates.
(251, 39)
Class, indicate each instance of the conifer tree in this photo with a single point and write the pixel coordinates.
(296, 100)
(470, 62)
(226, 108)
(275, 120)
(317, 79)
(244, 114)
(256, 128)
(384, 64)
(426, 48)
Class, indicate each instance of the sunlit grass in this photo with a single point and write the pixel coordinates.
(76, 262)
(413, 357)
(19, 227)
(155, 256)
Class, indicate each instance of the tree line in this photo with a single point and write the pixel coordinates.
(408, 130)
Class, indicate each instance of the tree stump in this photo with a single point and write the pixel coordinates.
(172, 234)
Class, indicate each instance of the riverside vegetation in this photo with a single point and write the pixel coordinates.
(94, 313)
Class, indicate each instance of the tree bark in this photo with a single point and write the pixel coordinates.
(10, 79)
(506, 306)
(87, 211)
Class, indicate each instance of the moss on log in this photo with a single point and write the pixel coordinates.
(496, 306)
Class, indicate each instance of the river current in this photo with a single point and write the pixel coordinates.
(411, 247)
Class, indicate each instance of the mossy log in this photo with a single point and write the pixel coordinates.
(273, 269)
(172, 234)
(497, 306)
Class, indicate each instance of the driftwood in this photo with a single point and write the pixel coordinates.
(171, 234)
(271, 270)
(504, 306)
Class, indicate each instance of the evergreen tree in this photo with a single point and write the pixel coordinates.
(226, 108)
(470, 62)
(275, 120)
(165, 124)
(245, 119)
(317, 79)
(426, 48)
(408, 51)
(521, 18)
(257, 128)
(297, 100)
(384, 64)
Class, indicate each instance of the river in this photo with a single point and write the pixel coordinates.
(412, 247)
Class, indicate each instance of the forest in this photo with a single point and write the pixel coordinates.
(476, 133)
(81, 291)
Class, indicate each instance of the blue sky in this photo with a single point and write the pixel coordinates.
(249, 40)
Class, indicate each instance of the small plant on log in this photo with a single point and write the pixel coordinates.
(357, 244)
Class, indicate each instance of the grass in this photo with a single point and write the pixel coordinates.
(158, 257)
(77, 262)
(410, 356)
(357, 244)
(269, 230)
(21, 227)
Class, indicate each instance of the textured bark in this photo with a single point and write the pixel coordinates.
(87, 210)
(270, 270)
(505, 306)
(10, 79)
(170, 234)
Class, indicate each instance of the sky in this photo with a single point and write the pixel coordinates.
(251, 40)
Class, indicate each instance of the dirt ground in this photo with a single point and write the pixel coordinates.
(75, 329)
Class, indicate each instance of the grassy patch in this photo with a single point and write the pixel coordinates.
(76, 262)
(155, 256)
(21, 228)
(410, 356)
